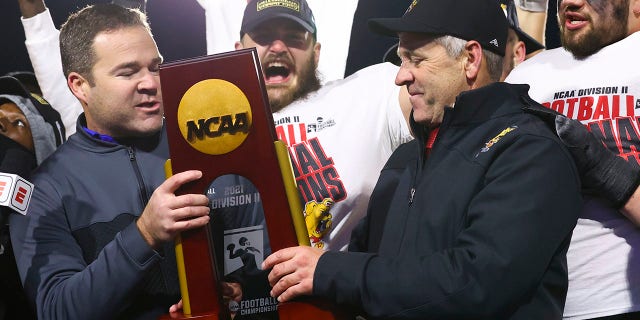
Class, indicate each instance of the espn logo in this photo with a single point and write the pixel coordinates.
(15, 192)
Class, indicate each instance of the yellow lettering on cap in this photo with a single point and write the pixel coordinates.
(293, 5)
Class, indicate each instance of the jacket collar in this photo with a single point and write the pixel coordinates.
(491, 101)
(144, 143)
(479, 105)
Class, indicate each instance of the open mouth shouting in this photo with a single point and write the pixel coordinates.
(276, 72)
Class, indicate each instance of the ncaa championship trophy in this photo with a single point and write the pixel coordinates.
(218, 121)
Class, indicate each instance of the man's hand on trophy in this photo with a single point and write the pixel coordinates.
(292, 271)
(176, 308)
(166, 214)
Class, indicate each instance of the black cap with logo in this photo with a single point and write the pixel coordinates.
(479, 20)
(259, 11)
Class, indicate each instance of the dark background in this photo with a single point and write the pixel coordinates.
(179, 29)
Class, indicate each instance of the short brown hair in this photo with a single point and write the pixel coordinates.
(81, 28)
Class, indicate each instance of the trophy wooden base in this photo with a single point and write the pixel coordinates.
(310, 309)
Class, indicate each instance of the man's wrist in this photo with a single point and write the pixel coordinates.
(146, 235)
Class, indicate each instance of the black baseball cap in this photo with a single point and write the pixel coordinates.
(479, 20)
(530, 43)
(28, 80)
(259, 11)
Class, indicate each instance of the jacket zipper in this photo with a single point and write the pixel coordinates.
(421, 163)
(144, 197)
(141, 186)
(414, 179)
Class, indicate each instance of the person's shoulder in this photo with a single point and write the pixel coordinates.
(547, 55)
(405, 153)
(517, 112)
(619, 49)
(525, 134)
(631, 40)
(373, 81)
(544, 60)
(531, 126)
(378, 68)
(371, 78)
(60, 161)
(634, 37)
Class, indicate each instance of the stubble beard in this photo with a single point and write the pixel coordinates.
(612, 30)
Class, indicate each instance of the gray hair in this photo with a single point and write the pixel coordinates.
(455, 46)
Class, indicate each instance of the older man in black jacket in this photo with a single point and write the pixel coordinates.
(479, 208)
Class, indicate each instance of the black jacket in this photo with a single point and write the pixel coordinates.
(479, 230)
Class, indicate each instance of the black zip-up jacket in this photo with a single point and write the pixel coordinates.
(479, 230)
(78, 250)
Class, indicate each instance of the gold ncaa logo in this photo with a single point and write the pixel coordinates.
(214, 116)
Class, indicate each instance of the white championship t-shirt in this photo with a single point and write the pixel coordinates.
(339, 139)
(603, 92)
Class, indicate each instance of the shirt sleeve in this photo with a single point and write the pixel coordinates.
(397, 126)
(43, 47)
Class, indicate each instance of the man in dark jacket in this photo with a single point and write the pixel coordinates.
(477, 212)
(96, 242)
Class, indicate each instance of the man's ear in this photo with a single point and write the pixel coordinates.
(519, 53)
(238, 45)
(79, 86)
(635, 8)
(316, 50)
(472, 60)
(633, 23)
